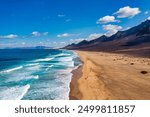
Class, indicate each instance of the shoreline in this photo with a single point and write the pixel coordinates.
(74, 93)
(107, 76)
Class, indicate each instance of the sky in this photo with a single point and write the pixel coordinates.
(56, 23)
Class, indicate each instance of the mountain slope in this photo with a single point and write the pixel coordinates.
(133, 41)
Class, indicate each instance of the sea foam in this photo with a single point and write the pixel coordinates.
(49, 67)
(45, 59)
(14, 93)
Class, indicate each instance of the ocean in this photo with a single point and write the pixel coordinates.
(36, 74)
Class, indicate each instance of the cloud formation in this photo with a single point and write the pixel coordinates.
(64, 35)
(62, 43)
(94, 36)
(89, 38)
(111, 29)
(107, 19)
(23, 43)
(127, 12)
(67, 35)
(148, 18)
(36, 34)
(45, 33)
(61, 15)
(146, 12)
(76, 40)
(68, 20)
(10, 36)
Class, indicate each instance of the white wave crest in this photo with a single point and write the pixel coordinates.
(13, 69)
(65, 59)
(32, 64)
(45, 59)
(22, 77)
(62, 54)
(49, 67)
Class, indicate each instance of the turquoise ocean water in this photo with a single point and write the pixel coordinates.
(36, 74)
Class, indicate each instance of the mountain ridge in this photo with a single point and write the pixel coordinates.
(137, 37)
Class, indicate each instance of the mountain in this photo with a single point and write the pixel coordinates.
(135, 41)
(85, 43)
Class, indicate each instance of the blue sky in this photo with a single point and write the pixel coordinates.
(56, 23)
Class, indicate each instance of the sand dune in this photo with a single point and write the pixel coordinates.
(111, 77)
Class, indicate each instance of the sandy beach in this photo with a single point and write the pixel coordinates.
(107, 76)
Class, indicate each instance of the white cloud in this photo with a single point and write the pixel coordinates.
(127, 28)
(77, 40)
(90, 37)
(111, 29)
(127, 12)
(68, 20)
(45, 33)
(94, 36)
(64, 35)
(61, 15)
(54, 43)
(148, 18)
(71, 40)
(63, 43)
(36, 34)
(11, 36)
(67, 35)
(146, 12)
(107, 19)
(23, 43)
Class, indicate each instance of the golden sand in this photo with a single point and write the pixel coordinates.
(106, 76)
